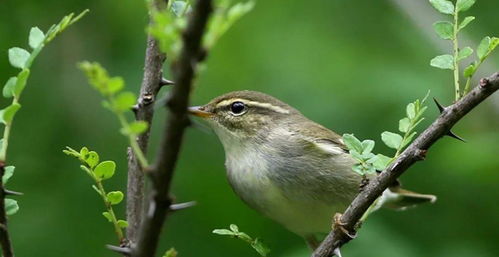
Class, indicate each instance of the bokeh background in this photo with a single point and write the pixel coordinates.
(349, 65)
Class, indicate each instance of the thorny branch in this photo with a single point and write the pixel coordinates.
(151, 84)
(161, 172)
(413, 153)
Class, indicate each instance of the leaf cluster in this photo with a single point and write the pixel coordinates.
(234, 232)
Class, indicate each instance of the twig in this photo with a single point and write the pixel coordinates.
(414, 152)
(149, 89)
(162, 171)
(5, 241)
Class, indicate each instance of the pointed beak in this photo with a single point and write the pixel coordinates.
(198, 111)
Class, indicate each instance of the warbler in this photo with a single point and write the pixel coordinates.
(286, 166)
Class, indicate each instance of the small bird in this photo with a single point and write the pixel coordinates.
(286, 166)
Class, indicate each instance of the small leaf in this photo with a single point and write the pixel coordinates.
(234, 228)
(464, 53)
(465, 22)
(469, 71)
(105, 170)
(138, 127)
(87, 170)
(368, 146)
(404, 125)
(9, 171)
(83, 151)
(356, 155)
(22, 78)
(170, 253)
(122, 223)
(115, 84)
(224, 232)
(382, 162)
(483, 48)
(18, 57)
(358, 168)
(443, 62)
(352, 142)
(92, 158)
(262, 249)
(7, 114)
(8, 89)
(179, 8)
(108, 216)
(11, 206)
(444, 29)
(411, 110)
(392, 140)
(124, 101)
(114, 197)
(36, 37)
(464, 5)
(443, 6)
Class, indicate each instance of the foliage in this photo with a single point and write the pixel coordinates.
(118, 101)
(170, 22)
(100, 171)
(369, 162)
(234, 232)
(23, 59)
(449, 31)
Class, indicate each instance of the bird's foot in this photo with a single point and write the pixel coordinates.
(338, 225)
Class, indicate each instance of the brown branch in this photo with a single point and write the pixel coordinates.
(413, 153)
(144, 110)
(5, 242)
(162, 171)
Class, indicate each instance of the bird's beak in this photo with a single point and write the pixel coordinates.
(198, 111)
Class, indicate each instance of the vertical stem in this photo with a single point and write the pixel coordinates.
(456, 52)
(117, 228)
(7, 250)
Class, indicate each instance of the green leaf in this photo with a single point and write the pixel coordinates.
(105, 170)
(179, 8)
(115, 84)
(83, 151)
(443, 6)
(114, 197)
(11, 206)
(234, 228)
(404, 125)
(122, 223)
(358, 168)
(108, 216)
(22, 78)
(137, 127)
(367, 146)
(8, 89)
(124, 101)
(464, 53)
(391, 140)
(18, 57)
(36, 37)
(352, 142)
(444, 29)
(469, 71)
(262, 249)
(92, 158)
(382, 162)
(171, 253)
(464, 5)
(411, 110)
(483, 48)
(223, 232)
(7, 114)
(465, 22)
(9, 171)
(443, 62)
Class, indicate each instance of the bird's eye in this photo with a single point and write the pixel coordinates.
(237, 108)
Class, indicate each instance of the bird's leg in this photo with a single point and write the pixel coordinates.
(339, 226)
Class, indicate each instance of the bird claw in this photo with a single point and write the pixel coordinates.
(339, 225)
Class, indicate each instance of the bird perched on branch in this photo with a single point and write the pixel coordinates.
(286, 166)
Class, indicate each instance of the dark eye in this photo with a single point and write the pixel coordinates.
(237, 108)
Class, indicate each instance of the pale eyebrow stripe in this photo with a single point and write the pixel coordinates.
(253, 103)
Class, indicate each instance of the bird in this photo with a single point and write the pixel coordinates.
(287, 167)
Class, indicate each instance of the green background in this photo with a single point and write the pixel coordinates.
(349, 65)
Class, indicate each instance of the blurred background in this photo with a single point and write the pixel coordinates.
(349, 65)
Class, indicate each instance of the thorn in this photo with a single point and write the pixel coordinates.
(440, 107)
(451, 134)
(121, 250)
(135, 109)
(181, 206)
(484, 82)
(165, 82)
(10, 192)
(337, 252)
(421, 154)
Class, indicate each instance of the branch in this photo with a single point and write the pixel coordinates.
(413, 153)
(5, 242)
(162, 171)
(144, 110)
